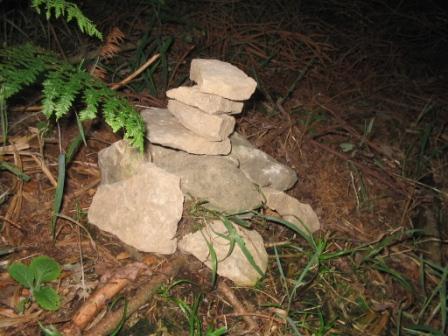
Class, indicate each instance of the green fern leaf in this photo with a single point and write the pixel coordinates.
(70, 11)
(62, 84)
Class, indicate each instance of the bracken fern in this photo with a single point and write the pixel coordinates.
(62, 84)
(68, 10)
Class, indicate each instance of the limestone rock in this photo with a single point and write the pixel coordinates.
(120, 161)
(211, 178)
(222, 79)
(208, 103)
(291, 209)
(143, 210)
(212, 127)
(260, 167)
(236, 266)
(164, 129)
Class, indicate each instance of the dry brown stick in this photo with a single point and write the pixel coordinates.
(45, 170)
(135, 73)
(98, 300)
(237, 305)
(11, 149)
(143, 295)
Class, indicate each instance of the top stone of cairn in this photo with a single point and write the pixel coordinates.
(222, 79)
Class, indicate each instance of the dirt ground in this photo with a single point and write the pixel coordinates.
(351, 94)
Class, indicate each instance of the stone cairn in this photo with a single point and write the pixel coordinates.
(194, 151)
(200, 119)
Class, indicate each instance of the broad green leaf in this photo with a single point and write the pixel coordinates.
(22, 274)
(45, 269)
(47, 298)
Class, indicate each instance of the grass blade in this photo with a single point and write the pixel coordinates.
(3, 116)
(241, 244)
(16, 171)
(213, 258)
(57, 203)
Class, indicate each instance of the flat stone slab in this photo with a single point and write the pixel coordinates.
(164, 129)
(291, 210)
(212, 178)
(120, 161)
(260, 167)
(235, 267)
(209, 103)
(211, 127)
(222, 79)
(143, 211)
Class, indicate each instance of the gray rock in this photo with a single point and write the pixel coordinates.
(209, 126)
(211, 178)
(208, 103)
(260, 167)
(236, 267)
(143, 210)
(164, 129)
(291, 210)
(120, 161)
(222, 79)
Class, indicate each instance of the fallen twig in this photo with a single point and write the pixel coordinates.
(237, 305)
(143, 295)
(97, 301)
(135, 73)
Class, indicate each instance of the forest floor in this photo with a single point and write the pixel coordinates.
(351, 94)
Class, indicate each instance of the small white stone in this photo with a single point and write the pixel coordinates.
(236, 267)
(222, 79)
(260, 167)
(208, 103)
(293, 211)
(164, 129)
(212, 127)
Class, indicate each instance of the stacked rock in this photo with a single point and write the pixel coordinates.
(200, 117)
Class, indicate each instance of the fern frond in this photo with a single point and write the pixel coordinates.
(62, 84)
(111, 46)
(70, 11)
(19, 66)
